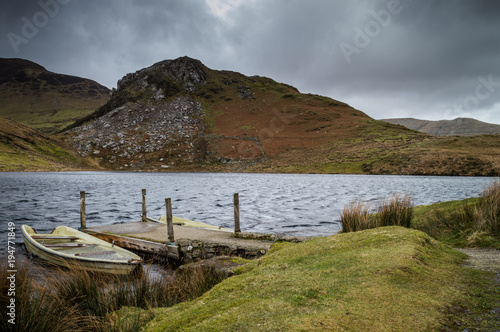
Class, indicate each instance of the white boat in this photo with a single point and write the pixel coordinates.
(71, 248)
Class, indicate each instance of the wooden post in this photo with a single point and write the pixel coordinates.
(170, 221)
(236, 199)
(83, 221)
(144, 213)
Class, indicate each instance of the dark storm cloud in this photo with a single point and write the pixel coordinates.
(105, 41)
(426, 59)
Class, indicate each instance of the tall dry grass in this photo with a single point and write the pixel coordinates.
(397, 211)
(77, 300)
(488, 209)
(470, 224)
(36, 306)
(356, 216)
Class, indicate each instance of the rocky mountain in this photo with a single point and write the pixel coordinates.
(457, 127)
(179, 115)
(25, 149)
(179, 112)
(34, 96)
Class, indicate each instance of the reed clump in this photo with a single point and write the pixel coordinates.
(36, 306)
(78, 300)
(397, 211)
(356, 216)
(489, 209)
(470, 223)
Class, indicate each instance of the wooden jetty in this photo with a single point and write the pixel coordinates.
(190, 243)
(182, 240)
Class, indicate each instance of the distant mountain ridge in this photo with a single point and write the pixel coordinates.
(456, 127)
(34, 96)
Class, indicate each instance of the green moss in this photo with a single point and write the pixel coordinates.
(42, 156)
(385, 279)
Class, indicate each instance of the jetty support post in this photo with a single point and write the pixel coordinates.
(170, 221)
(83, 221)
(236, 199)
(144, 212)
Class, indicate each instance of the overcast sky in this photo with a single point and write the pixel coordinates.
(428, 59)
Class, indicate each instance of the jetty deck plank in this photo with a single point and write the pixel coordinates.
(158, 232)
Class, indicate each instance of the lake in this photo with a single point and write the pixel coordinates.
(287, 204)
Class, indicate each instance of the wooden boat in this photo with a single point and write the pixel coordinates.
(189, 223)
(74, 249)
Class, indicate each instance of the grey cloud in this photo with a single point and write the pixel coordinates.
(424, 62)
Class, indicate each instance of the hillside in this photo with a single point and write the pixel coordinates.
(25, 149)
(179, 115)
(457, 127)
(31, 95)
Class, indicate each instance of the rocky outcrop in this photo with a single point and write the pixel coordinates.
(151, 119)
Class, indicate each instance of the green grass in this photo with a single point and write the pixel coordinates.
(40, 155)
(341, 168)
(384, 279)
(23, 160)
(473, 222)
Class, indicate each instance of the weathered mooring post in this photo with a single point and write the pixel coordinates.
(236, 199)
(144, 212)
(170, 221)
(83, 221)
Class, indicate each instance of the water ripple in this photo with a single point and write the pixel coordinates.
(273, 203)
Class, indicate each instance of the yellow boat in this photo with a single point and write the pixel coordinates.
(189, 223)
(74, 249)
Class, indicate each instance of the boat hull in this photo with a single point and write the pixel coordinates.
(86, 252)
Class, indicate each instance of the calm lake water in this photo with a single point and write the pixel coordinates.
(271, 203)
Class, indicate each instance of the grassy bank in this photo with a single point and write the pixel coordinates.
(473, 222)
(384, 279)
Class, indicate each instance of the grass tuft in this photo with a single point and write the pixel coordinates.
(469, 223)
(398, 211)
(356, 216)
(37, 308)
